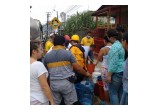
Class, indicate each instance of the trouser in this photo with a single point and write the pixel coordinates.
(36, 102)
(116, 88)
(124, 99)
(63, 89)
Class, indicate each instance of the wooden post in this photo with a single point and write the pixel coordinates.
(108, 19)
(120, 15)
(96, 21)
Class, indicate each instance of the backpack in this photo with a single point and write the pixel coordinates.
(79, 76)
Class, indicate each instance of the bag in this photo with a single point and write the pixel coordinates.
(72, 79)
(79, 77)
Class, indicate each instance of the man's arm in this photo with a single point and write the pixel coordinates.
(82, 41)
(112, 65)
(79, 69)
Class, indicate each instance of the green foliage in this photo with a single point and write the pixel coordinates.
(79, 22)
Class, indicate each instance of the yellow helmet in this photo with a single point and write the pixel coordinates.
(75, 37)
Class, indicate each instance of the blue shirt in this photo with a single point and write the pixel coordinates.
(116, 58)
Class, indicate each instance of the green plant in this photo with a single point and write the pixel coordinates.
(79, 22)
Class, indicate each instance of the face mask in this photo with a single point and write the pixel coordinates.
(88, 36)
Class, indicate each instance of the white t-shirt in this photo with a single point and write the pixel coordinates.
(37, 69)
(105, 58)
(69, 45)
(86, 48)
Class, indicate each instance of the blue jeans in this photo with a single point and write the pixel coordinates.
(116, 88)
(124, 99)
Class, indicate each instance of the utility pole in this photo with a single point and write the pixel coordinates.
(57, 18)
(48, 14)
(58, 26)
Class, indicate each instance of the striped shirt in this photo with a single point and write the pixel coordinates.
(58, 62)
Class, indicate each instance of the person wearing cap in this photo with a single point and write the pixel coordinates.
(115, 67)
(60, 64)
(79, 53)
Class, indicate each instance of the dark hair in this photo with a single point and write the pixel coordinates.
(106, 39)
(112, 33)
(75, 41)
(93, 46)
(89, 32)
(34, 45)
(101, 46)
(59, 40)
(120, 28)
(125, 37)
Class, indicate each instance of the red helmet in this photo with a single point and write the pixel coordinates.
(67, 38)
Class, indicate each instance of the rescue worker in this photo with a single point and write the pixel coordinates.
(88, 41)
(78, 52)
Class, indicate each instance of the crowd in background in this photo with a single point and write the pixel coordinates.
(58, 65)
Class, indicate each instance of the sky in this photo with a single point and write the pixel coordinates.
(40, 11)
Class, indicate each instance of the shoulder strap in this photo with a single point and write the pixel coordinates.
(108, 46)
(81, 48)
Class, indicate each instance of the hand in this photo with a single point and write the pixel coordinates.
(89, 75)
(95, 64)
(108, 79)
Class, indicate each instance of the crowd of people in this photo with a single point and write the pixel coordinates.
(53, 79)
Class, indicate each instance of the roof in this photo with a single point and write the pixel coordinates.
(104, 6)
(104, 9)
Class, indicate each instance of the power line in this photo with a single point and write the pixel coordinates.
(71, 9)
(48, 15)
(53, 9)
(75, 8)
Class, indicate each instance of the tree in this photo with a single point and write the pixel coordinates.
(78, 23)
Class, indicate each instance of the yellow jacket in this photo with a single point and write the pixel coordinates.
(78, 55)
(48, 45)
(87, 41)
